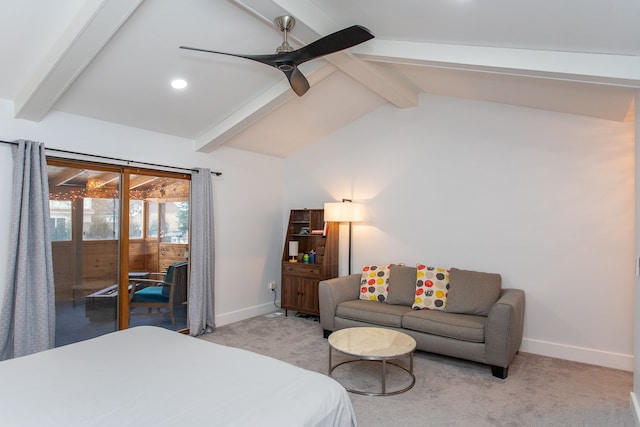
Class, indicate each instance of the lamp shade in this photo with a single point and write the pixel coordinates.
(343, 212)
(293, 248)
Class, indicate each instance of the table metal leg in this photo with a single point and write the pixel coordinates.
(411, 363)
(384, 376)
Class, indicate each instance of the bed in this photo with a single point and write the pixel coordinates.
(151, 376)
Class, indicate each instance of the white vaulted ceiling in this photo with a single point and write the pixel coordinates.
(113, 60)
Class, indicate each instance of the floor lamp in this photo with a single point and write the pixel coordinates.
(345, 211)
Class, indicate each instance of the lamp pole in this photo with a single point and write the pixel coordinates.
(349, 268)
(350, 247)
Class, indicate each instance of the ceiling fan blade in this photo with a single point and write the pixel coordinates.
(288, 62)
(334, 42)
(281, 61)
(298, 81)
(272, 60)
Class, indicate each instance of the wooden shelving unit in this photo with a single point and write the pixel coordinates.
(299, 279)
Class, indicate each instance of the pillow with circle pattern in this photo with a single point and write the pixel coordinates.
(374, 284)
(432, 288)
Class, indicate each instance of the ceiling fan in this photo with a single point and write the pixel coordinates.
(287, 60)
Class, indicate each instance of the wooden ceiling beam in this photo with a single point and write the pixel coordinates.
(88, 33)
(382, 79)
(141, 180)
(260, 106)
(615, 70)
(65, 177)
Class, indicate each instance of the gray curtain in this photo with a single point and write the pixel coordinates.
(27, 317)
(201, 299)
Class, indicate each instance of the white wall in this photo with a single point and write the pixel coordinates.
(635, 405)
(545, 199)
(248, 198)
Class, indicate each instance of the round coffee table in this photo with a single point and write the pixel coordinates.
(377, 344)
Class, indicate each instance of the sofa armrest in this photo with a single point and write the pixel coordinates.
(332, 292)
(505, 323)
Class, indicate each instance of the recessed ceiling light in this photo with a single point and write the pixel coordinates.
(178, 84)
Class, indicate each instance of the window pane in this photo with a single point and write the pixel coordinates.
(86, 272)
(60, 220)
(153, 219)
(176, 222)
(101, 219)
(136, 215)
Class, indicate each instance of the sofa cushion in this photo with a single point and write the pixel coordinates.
(372, 312)
(432, 287)
(402, 285)
(473, 292)
(374, 284)
(463, 327)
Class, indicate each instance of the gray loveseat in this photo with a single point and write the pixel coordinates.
(480, 322)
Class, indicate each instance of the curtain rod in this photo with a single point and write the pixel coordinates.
(216, 173)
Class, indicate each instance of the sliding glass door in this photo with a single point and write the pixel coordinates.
(107, 279)
(158, 249)
(85, 222)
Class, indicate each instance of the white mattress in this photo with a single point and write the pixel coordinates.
(148, 376)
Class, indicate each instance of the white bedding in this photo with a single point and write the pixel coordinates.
(148, 376)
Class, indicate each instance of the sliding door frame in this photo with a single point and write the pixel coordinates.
(123, 241)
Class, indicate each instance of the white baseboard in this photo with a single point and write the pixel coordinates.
(245, 313)
(635, 410)
(578, 354)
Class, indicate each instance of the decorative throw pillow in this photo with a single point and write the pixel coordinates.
(402, 285)
(473, 292)
(432, 288)
(374, 284)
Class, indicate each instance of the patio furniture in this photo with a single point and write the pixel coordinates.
(158, 294)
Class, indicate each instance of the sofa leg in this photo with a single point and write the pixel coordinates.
(326, 333)
(500, 372)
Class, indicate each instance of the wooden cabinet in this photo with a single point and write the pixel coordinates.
(300, 280)
(300, 294)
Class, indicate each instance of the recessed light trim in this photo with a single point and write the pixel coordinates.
(178, 84)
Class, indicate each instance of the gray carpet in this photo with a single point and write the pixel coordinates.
(540, 391)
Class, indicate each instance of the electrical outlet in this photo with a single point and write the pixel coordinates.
(272, 286)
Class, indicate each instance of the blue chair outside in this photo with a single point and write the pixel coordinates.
(158, 294)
